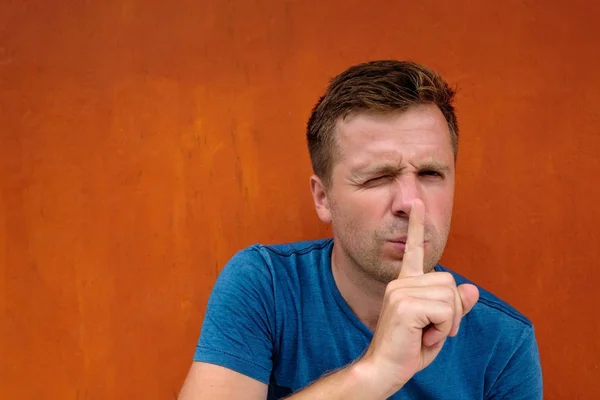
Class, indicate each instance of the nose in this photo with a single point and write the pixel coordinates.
(405, 190)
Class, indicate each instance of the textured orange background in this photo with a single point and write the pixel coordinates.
(143, 143)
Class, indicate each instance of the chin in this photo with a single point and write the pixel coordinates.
(387, 273)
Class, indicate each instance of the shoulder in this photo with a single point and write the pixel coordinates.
(281, 255)
(495, 330)
(302, 248)
(490, 307)
(500, 341)
(271, 262)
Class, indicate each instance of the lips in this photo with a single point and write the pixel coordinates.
(400, 243)
(399, 239)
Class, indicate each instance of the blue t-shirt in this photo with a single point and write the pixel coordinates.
(276, 315)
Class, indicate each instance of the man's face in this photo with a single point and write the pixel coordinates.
(387, 161)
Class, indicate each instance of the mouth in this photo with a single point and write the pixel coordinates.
(400, 244)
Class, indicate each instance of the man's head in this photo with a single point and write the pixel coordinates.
(384, 134)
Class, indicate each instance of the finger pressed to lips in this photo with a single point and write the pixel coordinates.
(412, 260)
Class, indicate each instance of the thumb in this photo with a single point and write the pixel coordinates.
(469, 295)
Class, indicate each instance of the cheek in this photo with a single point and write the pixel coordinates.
(371, 207)
(358, 212)
(440, 210)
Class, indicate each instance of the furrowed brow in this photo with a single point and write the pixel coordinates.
(374, 170)
(434, 166)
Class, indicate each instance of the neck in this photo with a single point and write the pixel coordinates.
(363, 294)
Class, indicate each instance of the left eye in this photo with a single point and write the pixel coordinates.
(430, 173)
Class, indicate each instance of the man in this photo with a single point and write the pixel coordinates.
(369, 314)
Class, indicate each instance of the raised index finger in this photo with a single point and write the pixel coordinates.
(412, 261)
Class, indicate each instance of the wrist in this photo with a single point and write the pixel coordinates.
(368, 376)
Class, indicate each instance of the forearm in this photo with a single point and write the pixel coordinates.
(356, 381)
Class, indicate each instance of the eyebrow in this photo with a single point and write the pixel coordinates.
(434, 165)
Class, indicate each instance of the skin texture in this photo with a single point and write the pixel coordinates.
(387, 161)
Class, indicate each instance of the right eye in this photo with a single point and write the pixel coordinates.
(379, 179)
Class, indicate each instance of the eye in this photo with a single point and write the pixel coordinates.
(430, 173)
(379, 179)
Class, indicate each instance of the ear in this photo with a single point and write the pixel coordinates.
(321, 199)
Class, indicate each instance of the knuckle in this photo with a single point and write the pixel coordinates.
(404, 304)
(394, 295)
(391, 292)
(449, 295)
(448, 310)
(447, 278)
(401, 298)
(391, 287)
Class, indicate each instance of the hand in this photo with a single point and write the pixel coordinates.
(419, 312)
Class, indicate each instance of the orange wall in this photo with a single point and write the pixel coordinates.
(143, 143)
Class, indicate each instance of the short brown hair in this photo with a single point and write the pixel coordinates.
(376, 86)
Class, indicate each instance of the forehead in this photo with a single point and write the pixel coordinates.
(419, 134)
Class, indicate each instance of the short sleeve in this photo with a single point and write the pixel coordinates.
(238, 328)
(521, 378)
